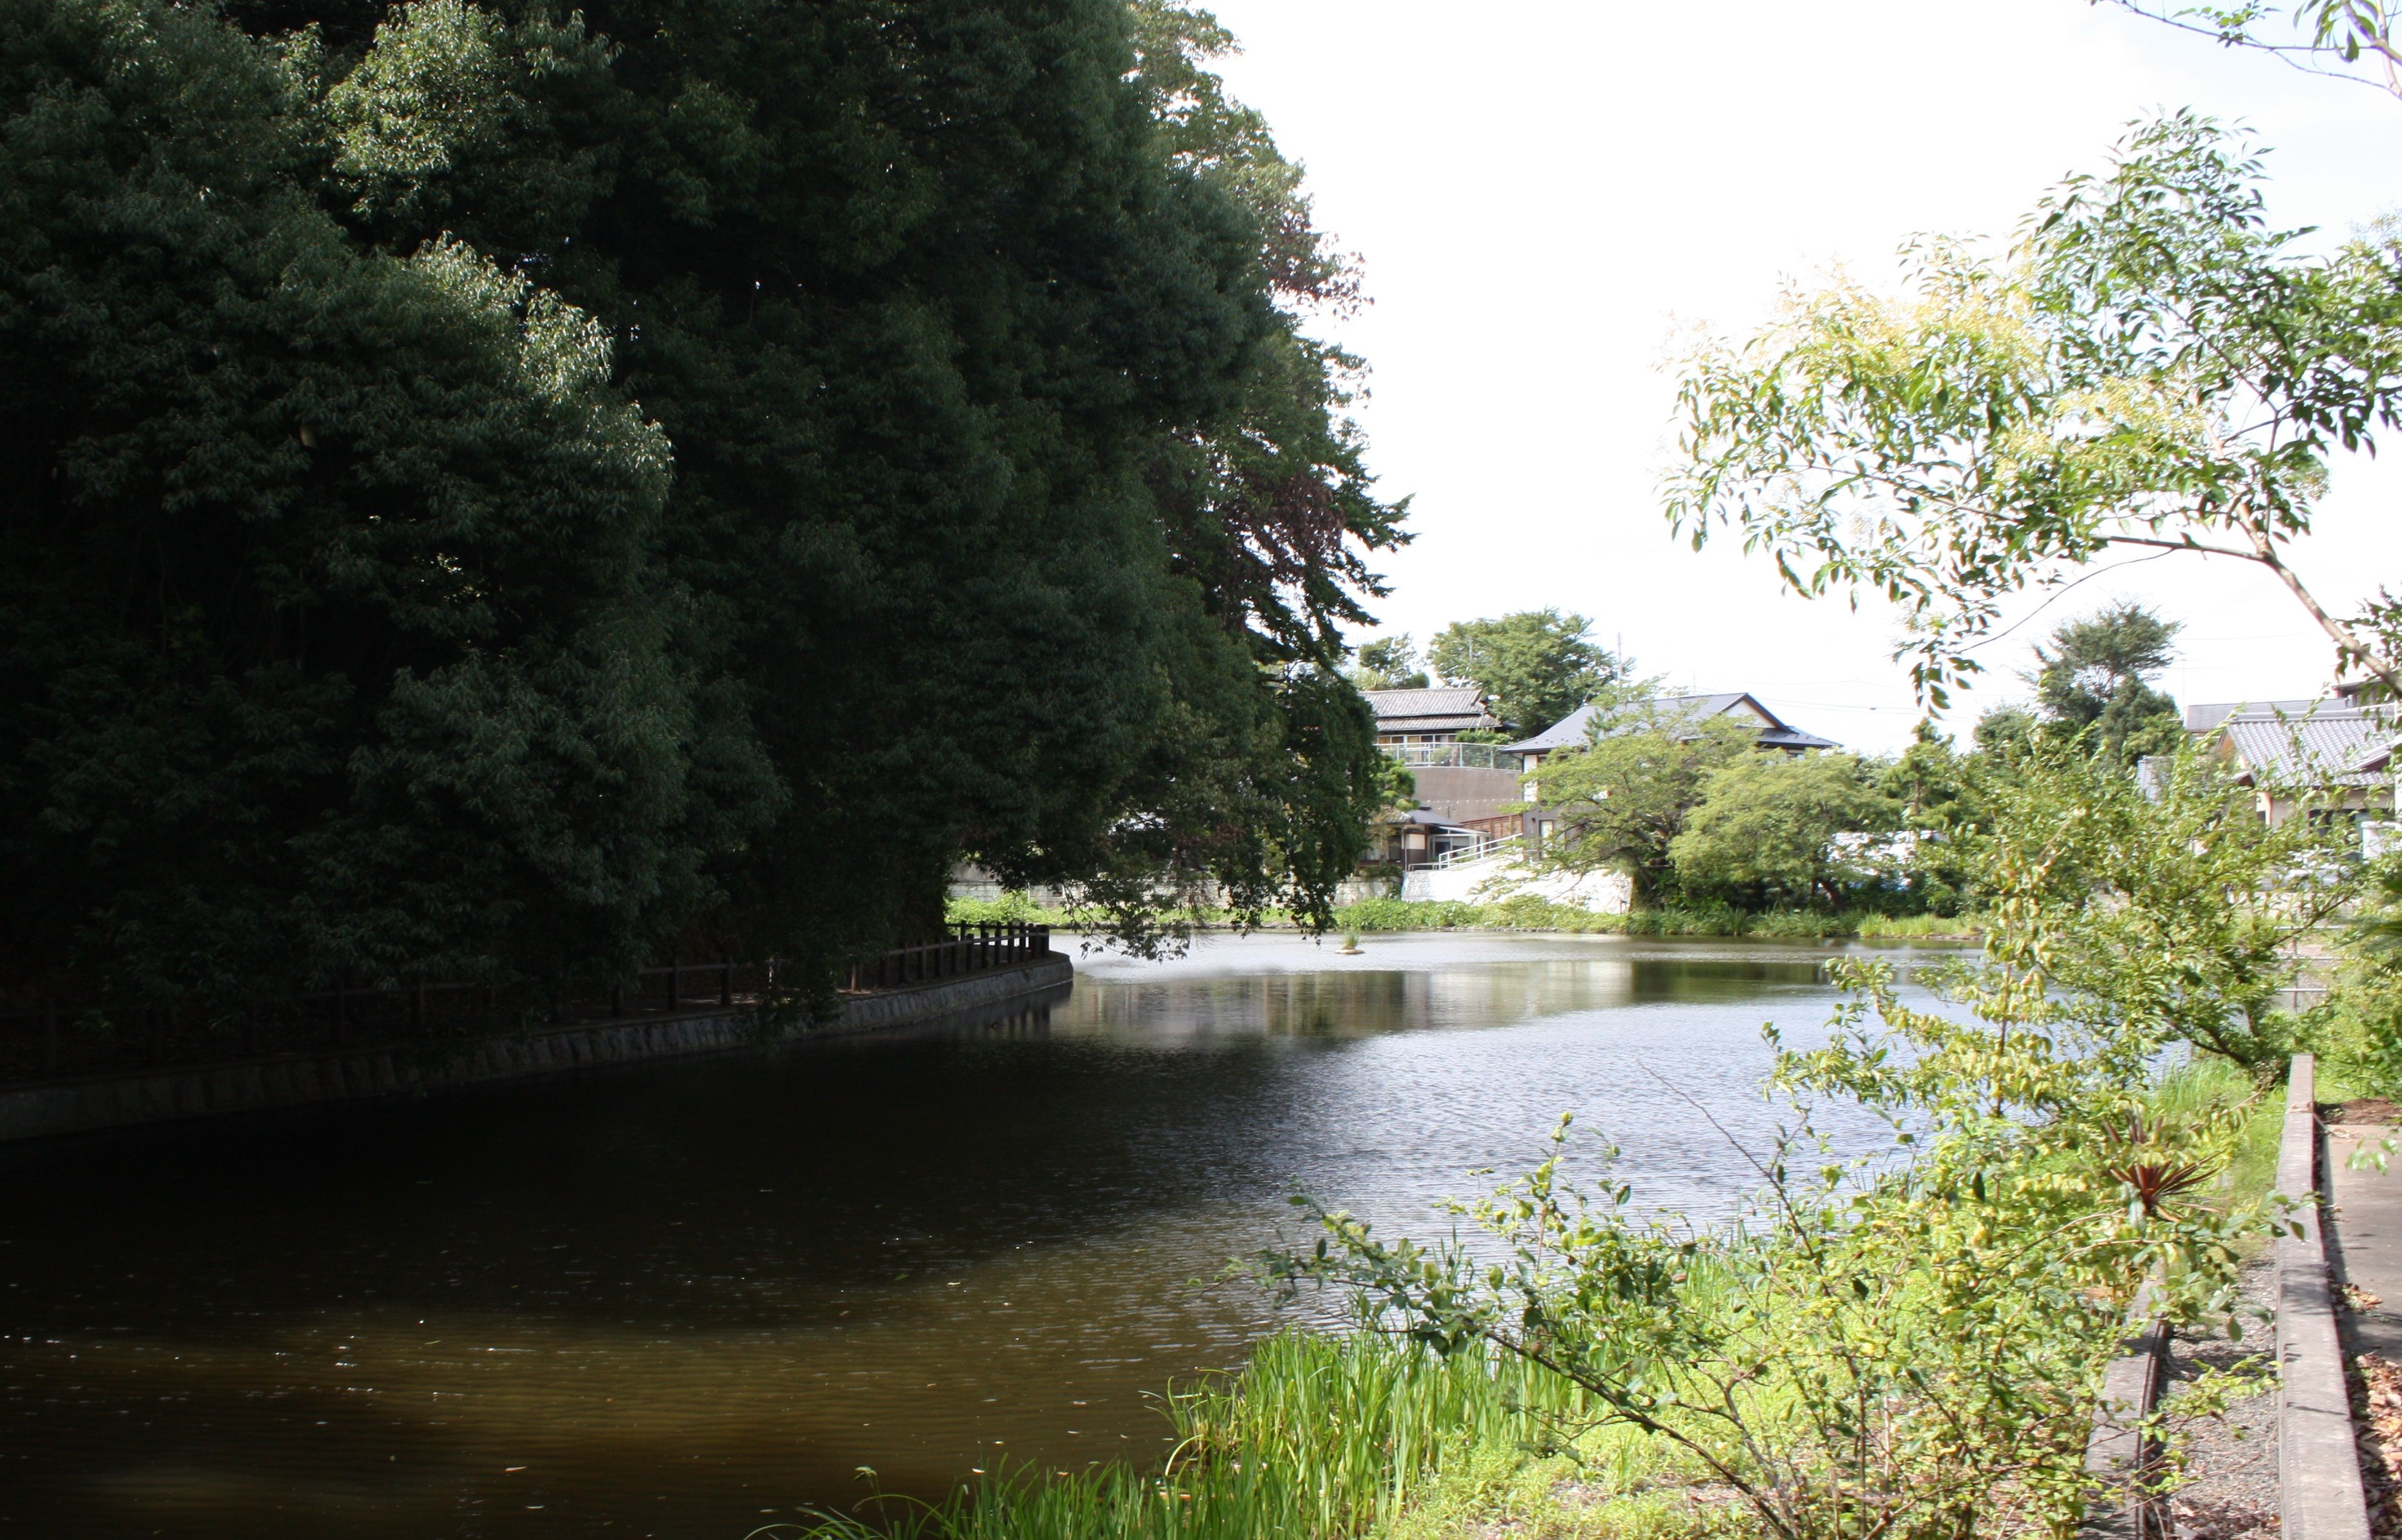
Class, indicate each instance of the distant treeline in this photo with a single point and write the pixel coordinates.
(495, 491)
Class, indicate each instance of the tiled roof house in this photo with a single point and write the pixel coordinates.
(1439, 715)
(2283, 750)
(1573, 730)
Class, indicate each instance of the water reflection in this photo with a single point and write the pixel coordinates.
(682, 1300)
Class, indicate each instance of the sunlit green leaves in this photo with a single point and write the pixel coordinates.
(2151, 366)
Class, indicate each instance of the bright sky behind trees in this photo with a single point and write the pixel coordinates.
(1546, 193)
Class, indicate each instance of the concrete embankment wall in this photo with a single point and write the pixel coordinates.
(85, 1104)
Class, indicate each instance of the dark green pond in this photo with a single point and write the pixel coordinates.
(687, 1300)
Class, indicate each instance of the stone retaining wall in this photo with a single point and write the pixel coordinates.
(89, 1102)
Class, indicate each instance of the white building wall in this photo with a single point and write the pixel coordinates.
(1500, 876)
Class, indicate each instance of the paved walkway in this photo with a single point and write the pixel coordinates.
(2366, 1240)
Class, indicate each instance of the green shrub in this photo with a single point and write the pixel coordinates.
(1799, 923)
(1010, 908)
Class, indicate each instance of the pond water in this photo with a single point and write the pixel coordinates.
(689, 1299)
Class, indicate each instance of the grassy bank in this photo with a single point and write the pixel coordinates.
(1319, 1438)
(1381, 916)
(1535, 913)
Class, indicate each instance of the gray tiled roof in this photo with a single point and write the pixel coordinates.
(2201, 719)
(1446, 707)
(2308, 741)
(1570, 730)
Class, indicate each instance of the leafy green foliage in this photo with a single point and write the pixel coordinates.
(331, 647)
(1267, 502)
(2323, 33)
(493, 494)
(1767, 829)
(2155, 368)
(1933, 789)
(2177, 907)
(1622, 799)
(1390, 663)
(2361, 1018)
(2094, 681)
(1535, 666)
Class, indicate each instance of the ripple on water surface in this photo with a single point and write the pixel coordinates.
(687, 1300)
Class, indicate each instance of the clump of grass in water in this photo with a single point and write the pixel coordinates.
(1318, 1437)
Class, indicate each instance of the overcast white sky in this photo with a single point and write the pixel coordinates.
(1546, 192)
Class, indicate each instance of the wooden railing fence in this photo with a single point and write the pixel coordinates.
(64, 1037)
(969, 949)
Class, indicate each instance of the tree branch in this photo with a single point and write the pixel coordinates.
(2297, 56)
(2186, 544)
(2347, 642)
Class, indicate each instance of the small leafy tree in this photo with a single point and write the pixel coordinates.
(1621, 800)
(2177, 904)
(1767, 830)
(2153, 369)
(1533, 666)
(1932, 787)
(1910, 1345)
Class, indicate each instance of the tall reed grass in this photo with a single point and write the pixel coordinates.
(1318, 1437)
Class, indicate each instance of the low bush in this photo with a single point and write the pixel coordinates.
(1010, 908)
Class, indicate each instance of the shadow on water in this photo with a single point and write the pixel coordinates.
(685, 1299)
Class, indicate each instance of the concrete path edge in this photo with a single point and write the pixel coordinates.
(2318, 1466)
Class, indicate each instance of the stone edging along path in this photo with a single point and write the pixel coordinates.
(88, 1104)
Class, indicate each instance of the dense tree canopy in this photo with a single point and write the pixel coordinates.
(1533, 666)
(495, 490)
(1390, 663)
(2094, 681)
(1691, 809)
(1621, 800)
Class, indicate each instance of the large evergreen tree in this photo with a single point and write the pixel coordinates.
(2095, 680)
(495, 489)
(326, 645)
